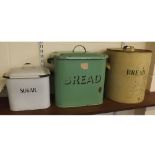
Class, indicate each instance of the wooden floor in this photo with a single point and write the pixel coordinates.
(107, 106)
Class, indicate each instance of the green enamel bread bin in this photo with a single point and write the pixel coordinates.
(79, 78)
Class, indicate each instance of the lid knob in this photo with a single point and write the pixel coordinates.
(129, 48)
(27, 65)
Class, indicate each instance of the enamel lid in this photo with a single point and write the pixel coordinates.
(27, 72)
(76, 55)
(79, 55)
(129, 49)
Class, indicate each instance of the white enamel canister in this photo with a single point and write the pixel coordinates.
(127, 75)
(28, 88)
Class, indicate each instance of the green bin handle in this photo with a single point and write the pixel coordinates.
(50, 60)
(79, 46)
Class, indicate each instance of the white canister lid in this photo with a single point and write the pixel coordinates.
(27, 72)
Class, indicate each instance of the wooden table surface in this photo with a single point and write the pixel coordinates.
(107, 106)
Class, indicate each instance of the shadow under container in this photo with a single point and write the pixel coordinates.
(79, 79)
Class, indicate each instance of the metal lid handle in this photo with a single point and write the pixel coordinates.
(27, 65)
(79, 46)
(129, 48)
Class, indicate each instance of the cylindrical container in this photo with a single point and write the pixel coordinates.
(28, 88)
(79, 79)
(127, 76)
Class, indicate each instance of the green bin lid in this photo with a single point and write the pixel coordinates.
(78, 55)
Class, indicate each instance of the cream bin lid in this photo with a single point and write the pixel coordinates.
(129, 49)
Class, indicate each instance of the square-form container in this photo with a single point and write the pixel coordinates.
(79, 79)
(28, 88)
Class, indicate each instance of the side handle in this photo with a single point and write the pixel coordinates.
(108, 66)
(50, 60)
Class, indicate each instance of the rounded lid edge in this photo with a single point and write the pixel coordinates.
(27, 73)
(88, 56)
(128, 51)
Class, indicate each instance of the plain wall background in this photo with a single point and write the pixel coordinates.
(151, 46)
(15, 54)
